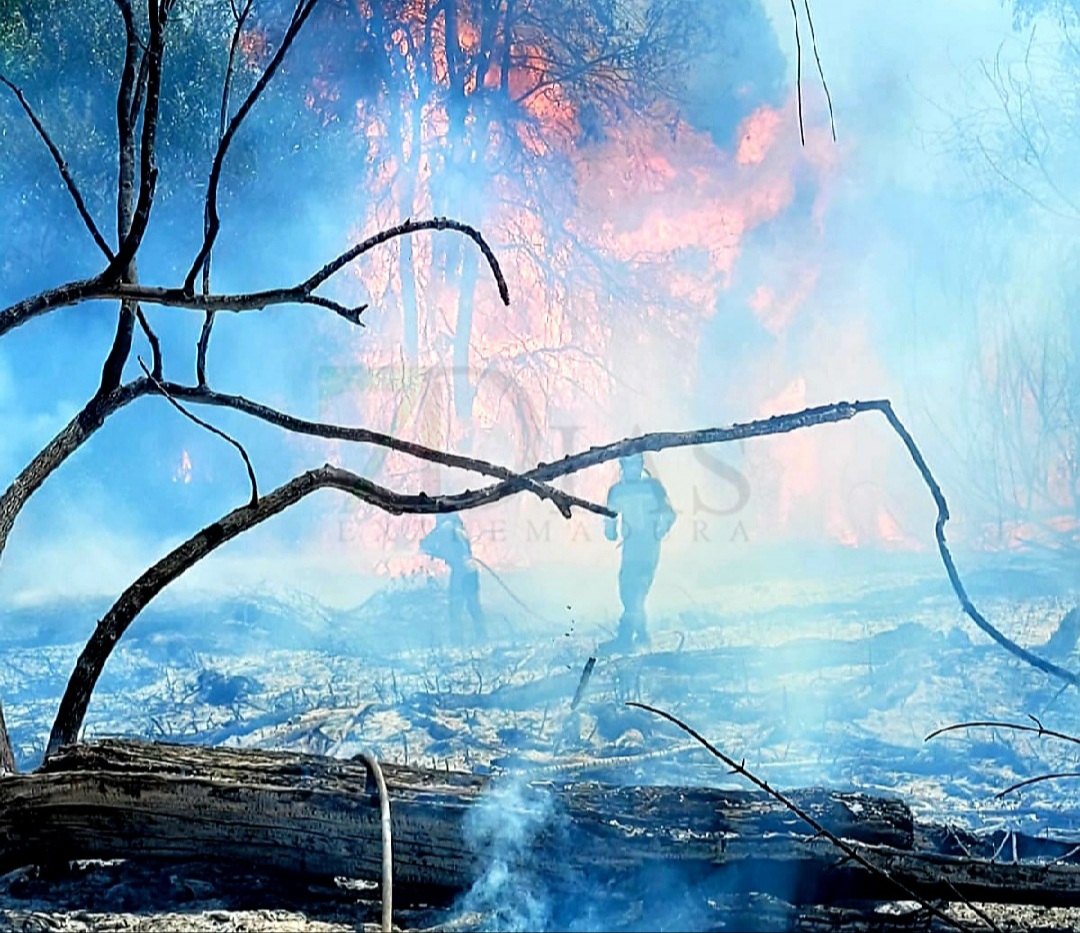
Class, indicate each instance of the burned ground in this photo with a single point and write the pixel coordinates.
(814, 684)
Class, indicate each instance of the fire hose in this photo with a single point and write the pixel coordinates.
(387, 843)
(509, 592)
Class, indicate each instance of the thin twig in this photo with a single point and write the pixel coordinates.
(1037, 780)
(209, 427)
(821, 72)
(798, 72)
(849, 850)
(65, 172)
(152, 339)
(102, 286)
(300, 15)
(240, 15)
(1037, 729)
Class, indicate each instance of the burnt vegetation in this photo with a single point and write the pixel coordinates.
(610, 67)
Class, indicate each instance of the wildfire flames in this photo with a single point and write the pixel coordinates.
(621, 233)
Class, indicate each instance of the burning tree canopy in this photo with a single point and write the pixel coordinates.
(568, 132)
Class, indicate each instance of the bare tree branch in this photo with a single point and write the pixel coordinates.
(240, 15)
(86, 423)
(209, 427)
(562, 500)
(65, 172)
(798, 71)
(406, 229)
(1037, 729)
(71, 437)
(213, 221)
(1057, 776)
(73, 293)
(112, 626)
(131, 217)
(148, 170)
(62, 296)
(977, 617)
(847, 848)
(152, 338)
(820, 70)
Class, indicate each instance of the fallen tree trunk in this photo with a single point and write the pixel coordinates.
(319, 817)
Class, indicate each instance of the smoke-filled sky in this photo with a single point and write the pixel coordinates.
(881, 265)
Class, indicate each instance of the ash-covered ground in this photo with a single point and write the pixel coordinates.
(830, 679)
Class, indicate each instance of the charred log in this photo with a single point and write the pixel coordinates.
(319, 818)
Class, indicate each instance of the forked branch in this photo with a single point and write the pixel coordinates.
(213, 221)
(82, 290)
(240, 15)
(209, 427)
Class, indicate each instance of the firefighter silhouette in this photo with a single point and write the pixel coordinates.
(448, 542)
(645, 516)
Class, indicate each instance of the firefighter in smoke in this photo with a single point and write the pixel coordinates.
(645, 516)
(448, 542)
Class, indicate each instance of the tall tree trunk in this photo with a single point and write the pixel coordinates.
(407, 264)
(464, 392)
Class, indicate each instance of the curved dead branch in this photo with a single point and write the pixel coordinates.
(212, 220)
(116, 621)
(71, 437)
(1048, 667)
(93, 415)
(564, 501)
(408, 228)
(240, 15)
(209, 427)
(850, 851)
(1037, 729)
(101, 287)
